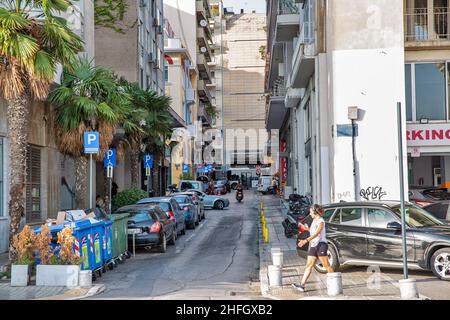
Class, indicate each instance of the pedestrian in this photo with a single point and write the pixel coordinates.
(318, 245)
(99, 202)
(114, 189)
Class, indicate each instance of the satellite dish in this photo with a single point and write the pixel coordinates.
(203, 23)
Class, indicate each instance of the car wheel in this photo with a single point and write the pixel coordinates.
(174, 238)
(163, 246)
(440, 264)
(333, 260)
(220, 205)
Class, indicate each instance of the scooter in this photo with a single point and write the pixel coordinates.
(239, 195)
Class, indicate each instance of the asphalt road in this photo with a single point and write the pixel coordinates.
(217, 260)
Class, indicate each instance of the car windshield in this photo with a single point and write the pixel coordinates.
(137, 215)
(437, 194)
(163, 205)
(417, 217)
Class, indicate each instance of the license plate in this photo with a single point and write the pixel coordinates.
(134, 231)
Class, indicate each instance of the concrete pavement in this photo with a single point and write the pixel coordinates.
(219, 260)
(358, 282)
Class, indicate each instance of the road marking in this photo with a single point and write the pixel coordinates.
(192, 236)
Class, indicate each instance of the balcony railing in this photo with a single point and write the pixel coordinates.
(421, 25)
(279, 88)
(288, 7)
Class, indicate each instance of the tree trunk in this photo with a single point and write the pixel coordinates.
(18, 117)
(134, 168)
(81, 180)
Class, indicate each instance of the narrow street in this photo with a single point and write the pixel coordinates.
(217, 260)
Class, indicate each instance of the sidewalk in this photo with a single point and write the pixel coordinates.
(356, 285)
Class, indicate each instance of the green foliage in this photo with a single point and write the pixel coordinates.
(110, 14)
(262, 52)
(127, 197)
(211, 111)
(187, 176)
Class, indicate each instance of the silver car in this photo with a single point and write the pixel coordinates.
(212, 201)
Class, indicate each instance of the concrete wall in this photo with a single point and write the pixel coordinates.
(365, 45)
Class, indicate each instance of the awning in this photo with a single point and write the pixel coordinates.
(276, 113)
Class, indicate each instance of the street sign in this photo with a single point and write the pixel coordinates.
(148, 161)
(110, 158)
(185, 168)
(91, 142)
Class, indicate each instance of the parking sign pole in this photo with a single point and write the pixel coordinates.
(402, 190)
(90, 181)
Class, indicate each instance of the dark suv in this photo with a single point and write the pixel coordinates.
(369, 233)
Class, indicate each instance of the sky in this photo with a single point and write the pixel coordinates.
(247, 5)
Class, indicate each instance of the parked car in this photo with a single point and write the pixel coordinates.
(153, 227)
(171, 208)
(369, 233)
(189, 210)
(264, 184)
(197, 201)
(440, 210)
(204, 180)
(425, 196)
(212, 201)
(190, 184)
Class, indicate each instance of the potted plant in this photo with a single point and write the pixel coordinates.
(24, 245)
(61, 268)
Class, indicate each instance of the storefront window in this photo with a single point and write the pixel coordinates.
(430, 91)
(408, 88)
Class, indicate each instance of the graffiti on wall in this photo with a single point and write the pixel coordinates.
(372, 193)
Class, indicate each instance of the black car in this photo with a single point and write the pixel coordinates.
(440, 210)
(369, 233)
(172, 209)
(152, 226)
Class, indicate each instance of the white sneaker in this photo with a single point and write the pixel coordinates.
(298, 287)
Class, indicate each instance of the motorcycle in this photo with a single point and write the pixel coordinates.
(239, 195)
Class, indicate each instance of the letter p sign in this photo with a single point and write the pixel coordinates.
(91, 142)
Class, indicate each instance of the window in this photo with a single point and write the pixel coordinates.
(166, 72)
(33, 186)
(1, 179)
(408, 88)
(379, 218)
(161, 214)
(328, 213)
(348, 217)
(430, 91)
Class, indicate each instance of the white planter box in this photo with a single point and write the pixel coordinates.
(20, 275)
(57, 275)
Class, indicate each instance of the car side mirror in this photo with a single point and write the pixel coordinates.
(394, 225)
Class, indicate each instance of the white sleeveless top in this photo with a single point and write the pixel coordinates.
(314, 227)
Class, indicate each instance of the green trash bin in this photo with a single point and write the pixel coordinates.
(120, 234)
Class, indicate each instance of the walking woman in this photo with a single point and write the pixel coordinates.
(318, 246)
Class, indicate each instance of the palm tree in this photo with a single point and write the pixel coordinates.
(88, 99)
(31, 47)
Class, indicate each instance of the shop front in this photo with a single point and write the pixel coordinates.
(428, 154)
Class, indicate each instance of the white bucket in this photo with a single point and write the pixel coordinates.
(408, 289)
(277, 259)
(275, 278)
(334, 283)
(85, 278)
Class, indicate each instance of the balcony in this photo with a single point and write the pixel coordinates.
(276, 111)
(203, 43)
(303, 59)
(203, 92)
(203, 10)
(204, 116)
(426, 28)
(288, 20)
(203, 68)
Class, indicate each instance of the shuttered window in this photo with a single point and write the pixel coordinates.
(2, 188)
(33, 197)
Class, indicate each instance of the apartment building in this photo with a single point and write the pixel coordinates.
(193, 25)
(336, 71)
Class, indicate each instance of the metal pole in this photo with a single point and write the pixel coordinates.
(110, 195)
(90, 182)
(355, 184)
(402, 190)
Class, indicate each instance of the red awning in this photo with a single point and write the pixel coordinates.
(168, 59)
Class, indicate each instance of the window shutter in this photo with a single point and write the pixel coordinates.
(33, 184)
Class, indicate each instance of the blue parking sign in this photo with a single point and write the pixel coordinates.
(110, 158)
(91, 142)
(185, 168)
(148, 161)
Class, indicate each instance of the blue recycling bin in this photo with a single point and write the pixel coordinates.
(83, 245)
(107, 242)
(96, 240)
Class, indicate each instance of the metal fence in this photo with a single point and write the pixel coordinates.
(422, 25)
